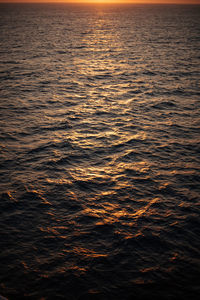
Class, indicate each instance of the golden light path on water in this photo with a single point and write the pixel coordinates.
(100, 41)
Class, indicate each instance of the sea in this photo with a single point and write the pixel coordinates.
(100, 152)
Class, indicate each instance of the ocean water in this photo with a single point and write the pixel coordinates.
(99, 152)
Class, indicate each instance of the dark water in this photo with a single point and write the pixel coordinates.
(99, 152)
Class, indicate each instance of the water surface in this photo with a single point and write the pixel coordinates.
(99, 152)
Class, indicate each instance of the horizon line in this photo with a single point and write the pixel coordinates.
(96, 3)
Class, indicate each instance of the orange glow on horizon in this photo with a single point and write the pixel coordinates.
(108, 1)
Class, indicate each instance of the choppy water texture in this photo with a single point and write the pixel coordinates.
(99, 152)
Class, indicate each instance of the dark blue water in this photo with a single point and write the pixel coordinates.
(99, 152)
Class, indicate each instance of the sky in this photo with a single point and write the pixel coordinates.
(111, 1)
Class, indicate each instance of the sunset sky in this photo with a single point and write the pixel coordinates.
(111, 1)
